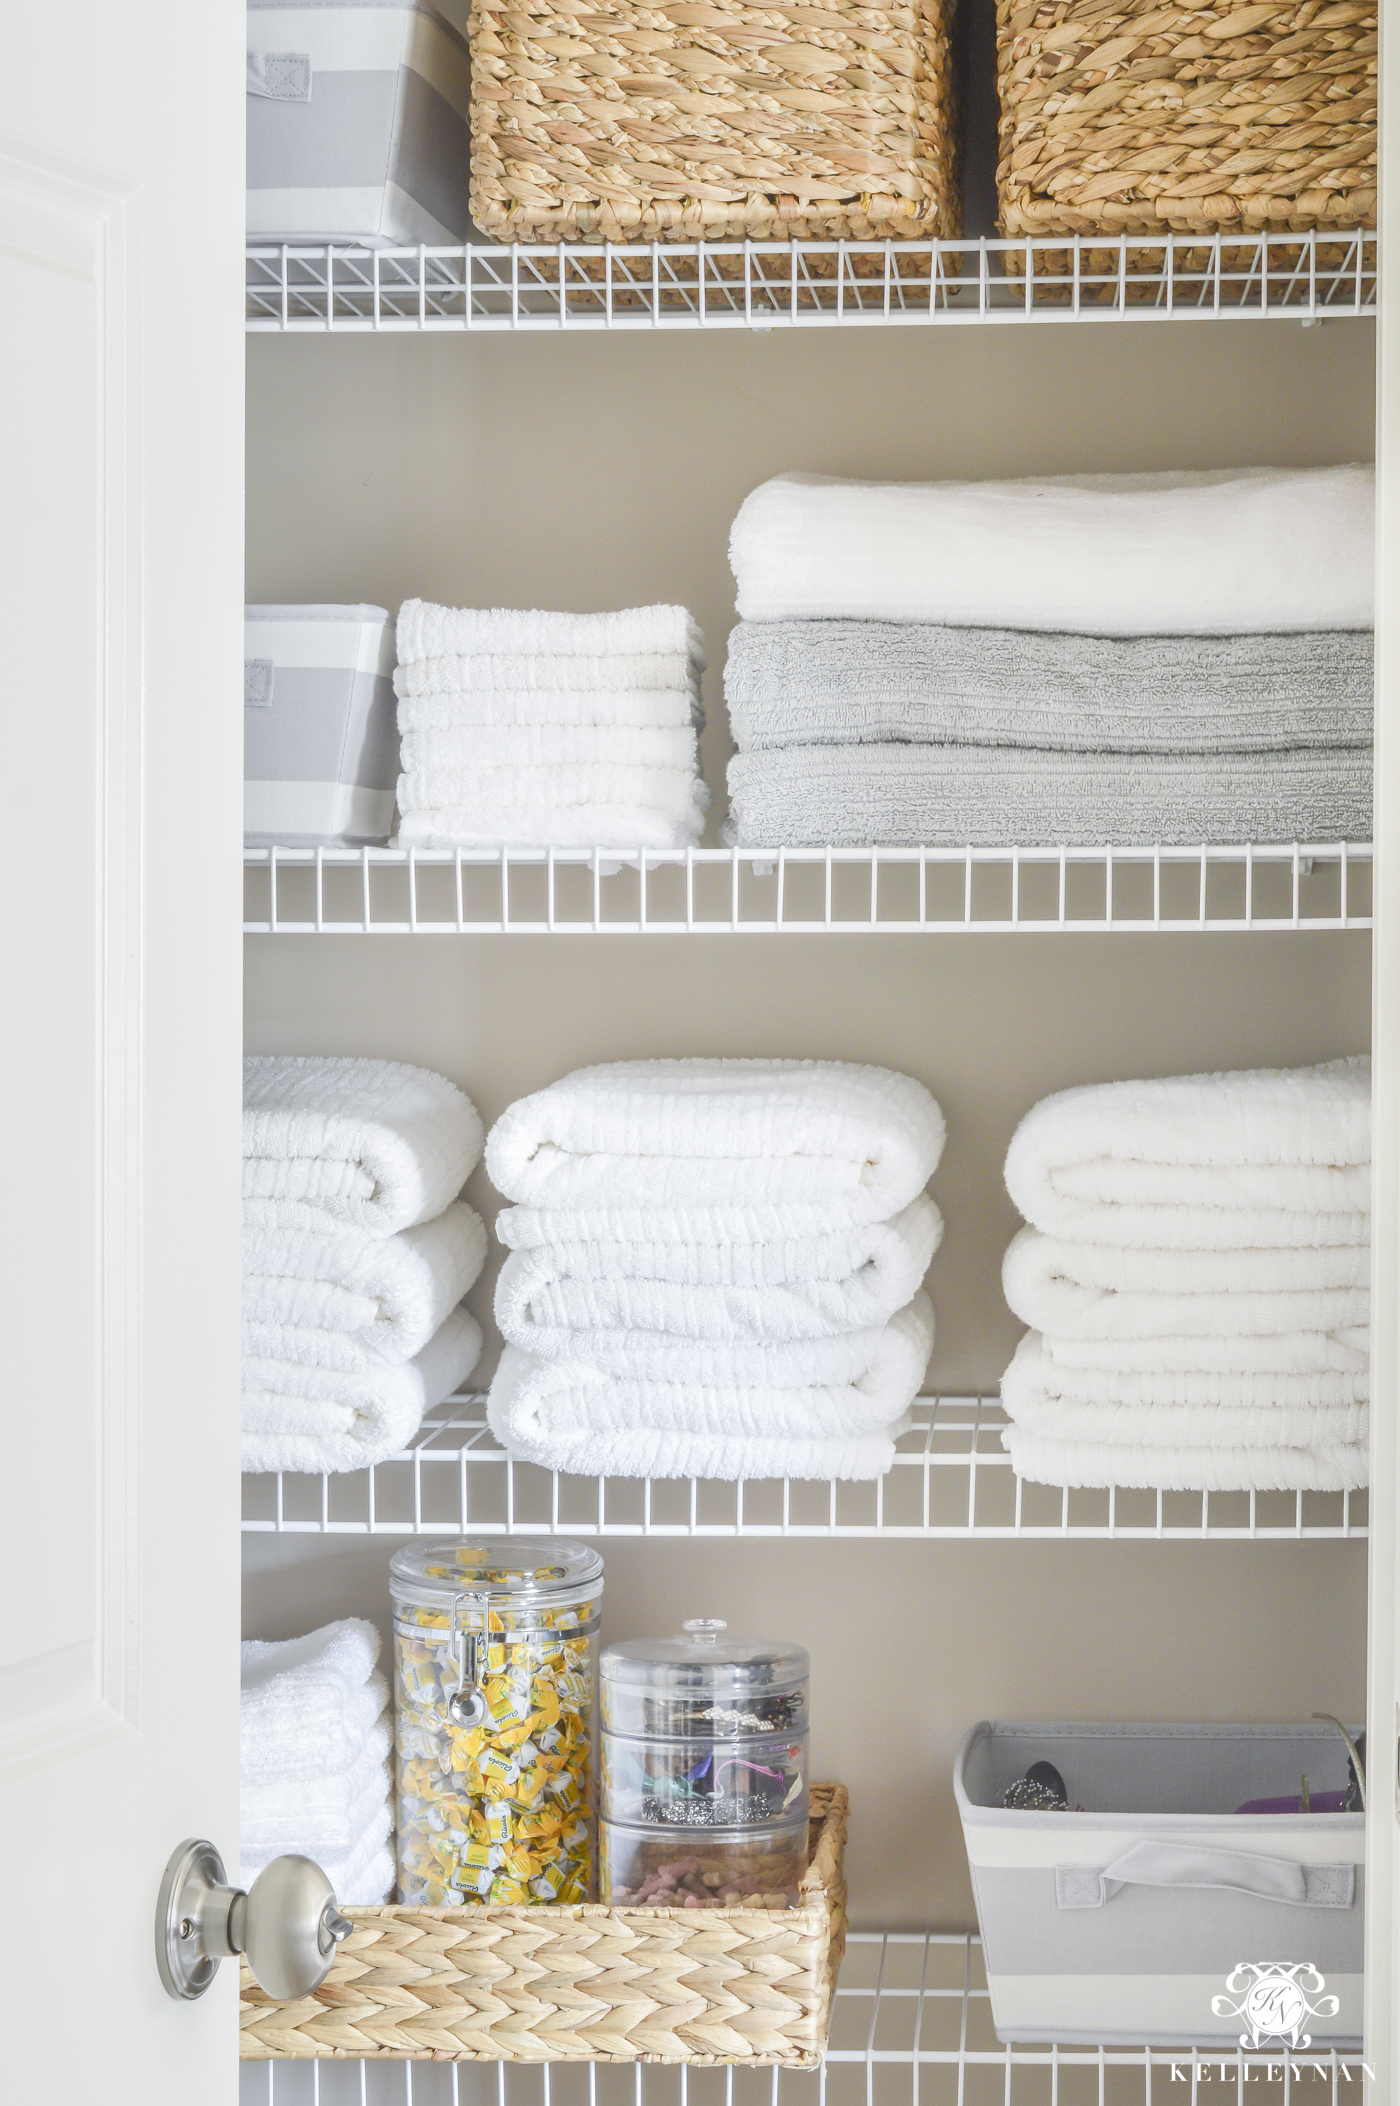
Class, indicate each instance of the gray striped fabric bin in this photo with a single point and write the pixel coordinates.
(1160, 1916)
(358, 122)
(320, 725)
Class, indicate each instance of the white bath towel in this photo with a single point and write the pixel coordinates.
(1330, 1466)
(313, 1419)
(1224, 552)
(1037, 1370)
(547, 786)
(322, 1815)
(484, 824)
(1035, 1397)
(308, 1703)
(1281, 1353)
(361, 1878)
(1107, 1268)
(429, 631)
(1202, 1162)
(714, 1247)
(469, 751)
(355, 1302)
(696, 1133)
(602, 677)
(335, 1143)
(541, 1305)
(1043, 1294)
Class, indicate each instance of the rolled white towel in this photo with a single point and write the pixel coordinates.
(1330, 1466)
(308, 1703)
(490, 823)
(1176, 1388)
(593, 679)
(357, 1302)
(429, 631)
(314, 1419)
(323, 1815)
(335, 1143)
(748, 1245)
(1236, 1161)
(466, 752)
(1276, 1353)
(1109, 1269)
(699, 1133)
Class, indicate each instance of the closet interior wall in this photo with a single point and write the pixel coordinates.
(600, 472)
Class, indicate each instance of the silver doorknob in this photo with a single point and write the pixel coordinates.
(286, 1926)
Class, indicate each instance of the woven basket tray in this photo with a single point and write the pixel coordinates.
(712, 120)
(1146, 119)
(580, 1983)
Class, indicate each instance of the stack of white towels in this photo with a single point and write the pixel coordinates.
(716, 1268)
(315, 1746)
(538, 730)
(357, 1252)
(1196, 1273)
(1075, 659)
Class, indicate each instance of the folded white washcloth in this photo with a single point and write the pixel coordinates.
(489, 823)
(595, 679)
(313, 1419)
(1202, 1162)
(308, 1704)
(1036, 1398)
(362, 1877)
(701, 1133)
(1176, 1388)
(429, 631)
(1330, 1466)
(542, 1306)
(547, 786)
(322, 1815)
(355, 1302)
(1279, 1353)
(1224, 552)
(335, 1143)
(466, 754)
(1040, 1291)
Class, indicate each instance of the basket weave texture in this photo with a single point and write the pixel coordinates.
(1149, 119)
(579, 1983)
(712, 120)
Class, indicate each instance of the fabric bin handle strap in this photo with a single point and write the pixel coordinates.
(1187, 1865)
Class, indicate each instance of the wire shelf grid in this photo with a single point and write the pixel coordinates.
(911, 2025)
(752, 285)
(951, 1479)
(793, 891)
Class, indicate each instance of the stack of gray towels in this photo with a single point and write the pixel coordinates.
(1166, 658)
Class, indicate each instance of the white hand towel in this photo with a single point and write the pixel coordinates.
(429, 631)
(313, 1419)
(322, 1815)
(1202, 1162)
(556, 787)
(1283, 1353)
(687, 1133)
(308, 1703)
(596, 679)
(361, 1878)
(1035, 1397)
(541, 1306)
(489, 823)
(336, 1143)
(467, 752)
(1224, 552)
(355, 1302)
(1331, 1466)
(1175, 1388)
(1039, 1292)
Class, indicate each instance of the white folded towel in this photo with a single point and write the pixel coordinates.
(490, 823)
(565, 787)
(1041, 1292)
(1282, 1352)
(1202, 1162)
(323, 1815)
(355, 1302)
(1330, 1466)
(334, 1143)
(313, 1419)
(1224, 552)
(1035, 1397)
(470, 751)
(716, 1246)
(698, 1133)
(429, 631)
(627, 679)
(1107, 1269)
(541, 1304)
(362, 1878)
(308, 1703)
(1173, 1388)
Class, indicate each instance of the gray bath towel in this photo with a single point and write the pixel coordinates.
(847, 682)
(945, 796)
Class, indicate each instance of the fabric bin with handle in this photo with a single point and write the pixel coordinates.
(358, 122)
(320, 732)
(1137, 1919)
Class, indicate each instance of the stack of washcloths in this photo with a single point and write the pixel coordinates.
(540, 730)
(1073, 660)
(1196, 1275)
(716, 1268)
(357, 1252)
(315, 1746)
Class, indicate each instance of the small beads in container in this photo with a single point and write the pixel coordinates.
(724, 1868)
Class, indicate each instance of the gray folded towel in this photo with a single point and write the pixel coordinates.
(947, 796)
(848, 682)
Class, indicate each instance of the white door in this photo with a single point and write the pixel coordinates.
(121, 171)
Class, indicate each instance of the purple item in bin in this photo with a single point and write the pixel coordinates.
(1318, 1802)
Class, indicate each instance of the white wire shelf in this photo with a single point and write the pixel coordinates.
(951, 1479)
(752, 285)
(911, 2025)
(798, 891)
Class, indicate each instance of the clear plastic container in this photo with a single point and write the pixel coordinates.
(704, 1784)
(714, 1869)
(495, 1672)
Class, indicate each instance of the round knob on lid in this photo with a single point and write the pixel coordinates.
(704, 1629)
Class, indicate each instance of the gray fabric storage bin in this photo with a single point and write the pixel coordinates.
(320, 724)
(358, 121)
(1139, 1957)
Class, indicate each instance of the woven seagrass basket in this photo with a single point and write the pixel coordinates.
(1129, 117)
(578, 1984)
(712, 120)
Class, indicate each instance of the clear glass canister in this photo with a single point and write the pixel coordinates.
(495, 1672)
(704, 1769)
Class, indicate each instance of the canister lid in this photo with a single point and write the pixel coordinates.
(519, 1569)
(705, 1659)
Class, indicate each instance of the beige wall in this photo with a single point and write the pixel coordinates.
(603, 473)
